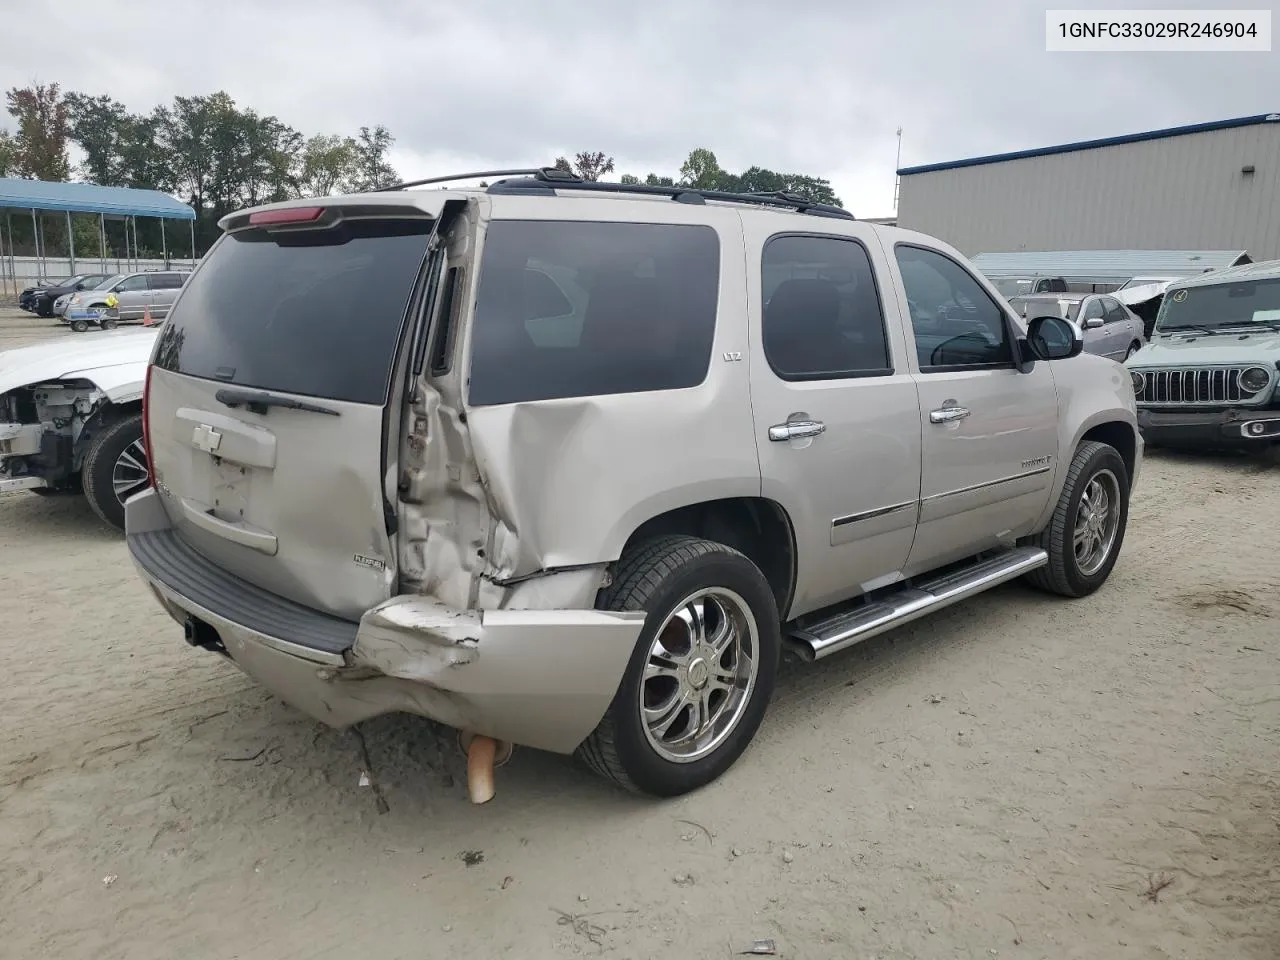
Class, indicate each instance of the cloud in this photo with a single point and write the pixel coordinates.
(812, 86)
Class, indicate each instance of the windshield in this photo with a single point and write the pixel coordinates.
(108, 281)
(1222, 305)
(1031, 307)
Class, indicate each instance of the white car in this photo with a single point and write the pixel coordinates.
(1110, 328)
(71, 418)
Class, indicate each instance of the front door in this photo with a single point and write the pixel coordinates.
(990, 432)
(836, 418)
(1093, 324)
(134, 295)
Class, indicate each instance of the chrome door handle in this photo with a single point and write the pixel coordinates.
(796, 429)
(947, 412)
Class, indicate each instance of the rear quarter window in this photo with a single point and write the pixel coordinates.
(316, 312)
(575, 309)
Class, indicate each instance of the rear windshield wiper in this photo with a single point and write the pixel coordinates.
(256, 402)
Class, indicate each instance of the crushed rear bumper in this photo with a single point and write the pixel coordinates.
(541, 678)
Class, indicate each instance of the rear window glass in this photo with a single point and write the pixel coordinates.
(317, 313)
(574, 309)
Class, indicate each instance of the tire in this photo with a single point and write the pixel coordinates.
(661, 577)
(1066, 574)
(118, 445)
(44, 310)
(79, 325)
(108, 323)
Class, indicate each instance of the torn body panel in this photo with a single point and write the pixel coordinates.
(445, 520)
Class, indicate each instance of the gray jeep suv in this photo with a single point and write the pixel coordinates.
(569, 464)
(1210, 377)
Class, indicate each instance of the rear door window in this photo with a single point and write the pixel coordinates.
(166, 281)
(316, 312)
(576, 309)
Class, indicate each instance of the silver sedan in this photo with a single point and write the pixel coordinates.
(1110, 328)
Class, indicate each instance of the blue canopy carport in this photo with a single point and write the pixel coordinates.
(40, 198)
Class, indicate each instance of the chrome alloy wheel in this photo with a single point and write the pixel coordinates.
(130, 473)
(1097, 522)
(700, 674)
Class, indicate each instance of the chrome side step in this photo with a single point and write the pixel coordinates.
(826, 637)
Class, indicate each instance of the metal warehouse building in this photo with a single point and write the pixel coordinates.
(1211, 186)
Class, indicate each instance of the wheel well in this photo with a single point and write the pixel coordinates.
(106, 414)
(1118, 435)
(758, 528)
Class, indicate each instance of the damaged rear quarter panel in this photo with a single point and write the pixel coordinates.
(494, 494)
(570, 479)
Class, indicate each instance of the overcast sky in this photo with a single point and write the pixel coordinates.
(804, 86)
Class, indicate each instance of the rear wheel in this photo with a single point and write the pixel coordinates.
(703, 671)
(1084, 535)
(115, 468)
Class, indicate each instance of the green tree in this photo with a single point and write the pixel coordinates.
(8, 154)
(97, 125)
(587, 165)
(372, 170)
(702, 170)
(186, 133)
(41, 140)
(328, 164)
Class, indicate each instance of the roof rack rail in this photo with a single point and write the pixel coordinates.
(548, 179)
(545, 173)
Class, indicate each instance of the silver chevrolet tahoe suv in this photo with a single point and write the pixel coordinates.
(569, 464)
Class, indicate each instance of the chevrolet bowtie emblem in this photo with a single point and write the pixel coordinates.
(206, 438)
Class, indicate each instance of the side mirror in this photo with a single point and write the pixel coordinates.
(1093, 323)
(1053, 338)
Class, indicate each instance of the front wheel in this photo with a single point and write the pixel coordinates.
(79, 325)
(115, 468)
(701, 676)
(1087, 528)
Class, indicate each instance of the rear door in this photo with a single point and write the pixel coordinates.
(1120, 326)
(836, 413)
(268, 402)
(164, 290)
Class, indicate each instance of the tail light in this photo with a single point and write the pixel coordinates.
(146, 426)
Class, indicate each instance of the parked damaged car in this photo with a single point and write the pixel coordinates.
(71, 419)
(593, 454)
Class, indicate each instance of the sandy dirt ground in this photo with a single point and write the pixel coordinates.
(1017, 777)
